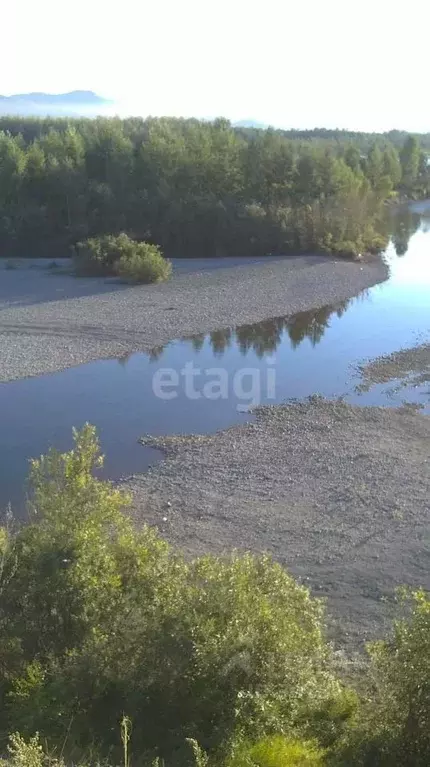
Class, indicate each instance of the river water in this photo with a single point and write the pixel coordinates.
(208, 382)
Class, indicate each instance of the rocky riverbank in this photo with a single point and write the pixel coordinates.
(51, 321)
(338, 494)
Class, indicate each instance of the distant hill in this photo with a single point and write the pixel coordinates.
(250, 124)
(85, 103)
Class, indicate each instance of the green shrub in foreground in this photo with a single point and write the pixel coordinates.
(277, 751)
(401, 674)
(120, 255)
(98, 619)
(22, 753)
(393, 726)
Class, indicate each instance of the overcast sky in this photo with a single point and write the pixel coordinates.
(301, 63)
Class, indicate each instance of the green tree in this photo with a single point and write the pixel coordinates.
(12, 169)
(391, 165)
(410, 161)
(379, 169)
(352, 157)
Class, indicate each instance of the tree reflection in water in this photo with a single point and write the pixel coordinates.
(403, 225)
(263, 337)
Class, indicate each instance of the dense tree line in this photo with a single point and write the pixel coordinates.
(34, 127)
(196, 188)
(361, 139)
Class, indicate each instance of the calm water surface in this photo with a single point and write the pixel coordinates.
(313, 352)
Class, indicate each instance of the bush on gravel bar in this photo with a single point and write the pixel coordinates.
(120, 255)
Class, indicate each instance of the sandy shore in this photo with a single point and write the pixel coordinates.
(338, 494)
(51, 321)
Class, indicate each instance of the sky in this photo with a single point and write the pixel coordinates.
(289, 63)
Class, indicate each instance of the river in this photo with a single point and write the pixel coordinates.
(208, 382)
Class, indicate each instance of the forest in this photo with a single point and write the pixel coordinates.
(197, 188)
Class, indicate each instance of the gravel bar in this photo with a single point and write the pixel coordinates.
(339, 494)
(50, 321)
(409, 367)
